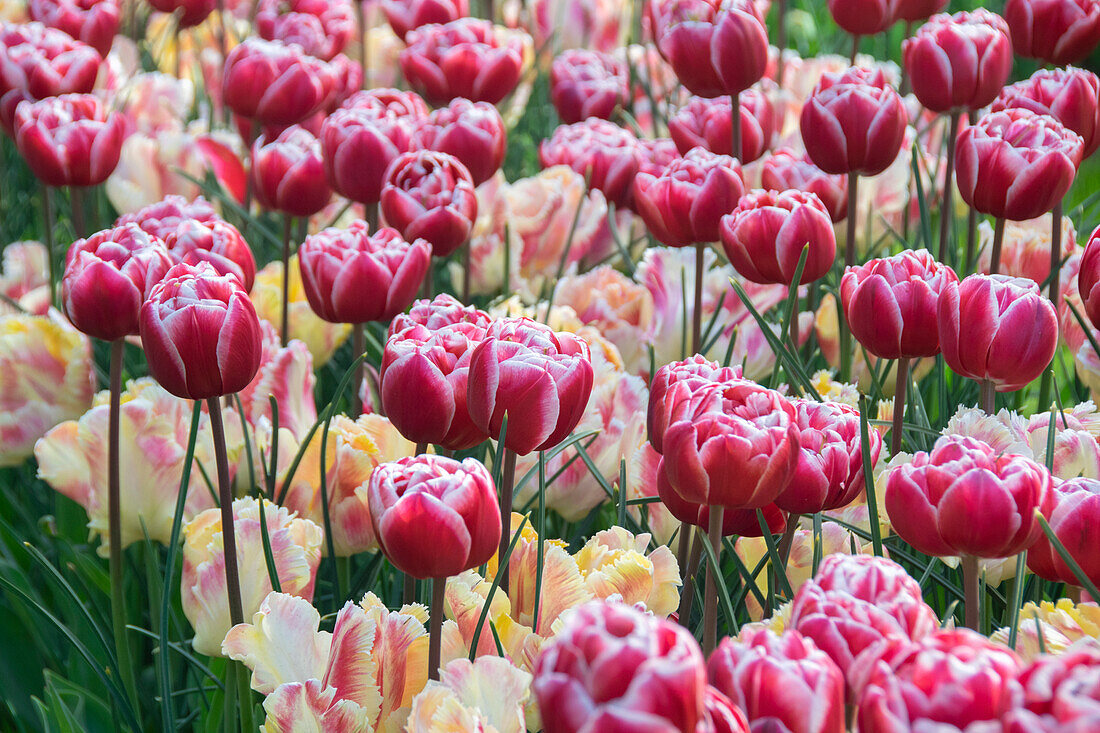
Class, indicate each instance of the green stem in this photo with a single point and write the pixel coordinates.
(687, 592)
(697, 312)
(899, 405)
(508, 482)
(435, 633)
(946, 210)
(225, 498)
(998, 240)
(284, 319)
(849, 260)
(710, 602)
(971, 582)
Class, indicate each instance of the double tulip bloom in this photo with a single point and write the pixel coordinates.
(863, 17)
(189, 13)
(275, 83)
(608, 156)
(1059, 32)
(467, 58)
(1068, 95)
(587, 84)
(672, 383)
(785, 169)
(288, 173)
(1076, 511)
(70, 140)
(911, 11)
(165, 216)
(217, 242)
(322, 28)
(38, 62)
(707, 123)
(94, 22)
(352, 276)
(408, 15)
(473, 132)
(430, 196)
(1088, 278)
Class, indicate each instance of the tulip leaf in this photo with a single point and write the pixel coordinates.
(502, 568)
(794, 368)
(779, 568)
(723, 591)
(541, 556)
(869, 478)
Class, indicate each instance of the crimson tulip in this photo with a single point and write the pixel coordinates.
(322, 28)
(217, 242)
(765, 235)
(739, 46)
(107, 278)
(429, 195)
(720, 715)
(695, 372)
(587, 84)
(706, 123)
(1061, 691)
(608, 156)
(997, 328)
(94, 22)
(473, 132)
(200, 333)
(1059, 32)
(463, 58)
(684, 203)
(959, 62)
(165, 216)
(1068, 95)
(408, 15)
(443, 310)
(189, 13)
(352, 276)
(913, 10)
(288, 174)
(1076, 511)
(735, 522)
(69, 140)
(1088, 279)
(785, 169)
(782, 682)
(863, 17)
(275, 83)
(612, 667)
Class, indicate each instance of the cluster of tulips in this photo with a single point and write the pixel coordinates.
(563, 342)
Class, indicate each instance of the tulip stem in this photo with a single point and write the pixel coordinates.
(971, 580)
(697, 311)
(76, 207)
(849, 260)
(988, 396)
(421, 448)
(905, 86)
(855, 50)
(284, 318)
(435, 633)
(735, 125)
(507, 484)
(998, 240)
(946, 210)
(900, 387)
(1073, 593)
(710, 602)
(225, 498)
(114, 524)
(686, 531)
(408, 590)
(358, 346)
(687, 595)
(1054, 293)
(467, 254)
(47, 214)
(971, 221)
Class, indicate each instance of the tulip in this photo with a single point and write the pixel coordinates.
(1068, 95)
(587, 84)
(217, 242)
(765, 235)
(189, 12)
(429, 195)
(715, 49)
(459, 697)
(613, 667)
(721, 714)
(455, 503)
(1059, 32)
(37, 62)
(781, 682)
(1061, 688)
(1076, 503)
(94, 22)
(621, 309)
(275, 83)
(107, 278)
(473, 132)
(69, 140)
(952, 680)
(165, 216)
(322, 28)
(1089, 278)
(786, 169)
(932, 503)
(707, 123)
(606, 155)
(913, 10)
(288, 174)
(862, 17)
(463, 58)
(694, 372)
(739, 48)
(405, 16)
(442, 311)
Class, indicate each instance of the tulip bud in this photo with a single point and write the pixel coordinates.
(434, 516)
(408, 15)
(1076, 511)
(165, 216)
(863, 17)
(959, 62)
(1088, 279)
(288, 174)
(351, 276)
(1068, 95)
(695, 372)
(541, 379)
(587, 84)
(444, 310)
(94, 22)
(781, 682)
(765, 235)
(786, 169)
(430, 196)
(612, 667)
(739, 46)
(189, 12)
(200, 332)
(107, 278)
(217, 242)
(608, 156)
(706, 123)
(1059, 32)
(70, 140)
(735, 522)
(684, 203)
(890, 304)
(964, 498)
(1016, 164)
(715, 48)
(322, 28)
(914, 10)
(275, 83)
(464, 58)
(997, 328)
(473, 132)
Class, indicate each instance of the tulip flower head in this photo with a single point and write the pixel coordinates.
(189, 12)
(94, 22)
(587, 84)
(1068, 95)
(453, 503)
(914, 10)
(786, 169)
(1089, 278)
(1076, 508)
(863, 17)
(217, 242)
(275, 83)
(442, 311)
(706, 123)
(735, 522)
(69, 140)
(473, 132)
(1059, 32)
(694, 372)
(608, 156)
(165, 216)
(408, 15)
(322, 28)
(429, 195)
(288, 174)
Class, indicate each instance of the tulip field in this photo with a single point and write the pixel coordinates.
(575, 366)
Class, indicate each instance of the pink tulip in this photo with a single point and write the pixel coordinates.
(217, 242)
(964, 498)
(785, 169)
(1088, 279)
(541, 379)
(914, 10)
(863, 17)
(1059, 32)
(891, 304)
(1076, 509)
(165, 216)
(1068, 95)
(275, 83)
(322, 28)
(473, 132)
(783, 683)
(997, 328)
(608, 156)
(434, 516)
(189, 12)
(735, 522)
(408, 15)
(444, 310)
(853, 122)
(430, 196)
(288, 174)
(695, 372)
(107, 278)
(959, 62)
(587, 84)
(721, 715)
(37, 62)
(707, 123)
(463, 58)
(352, 276)
(94, 22)
(739, 46)
(69, 140)
(766, 233)
(200, 333)
(683, 204)
(614, 668)
(1060, 691)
